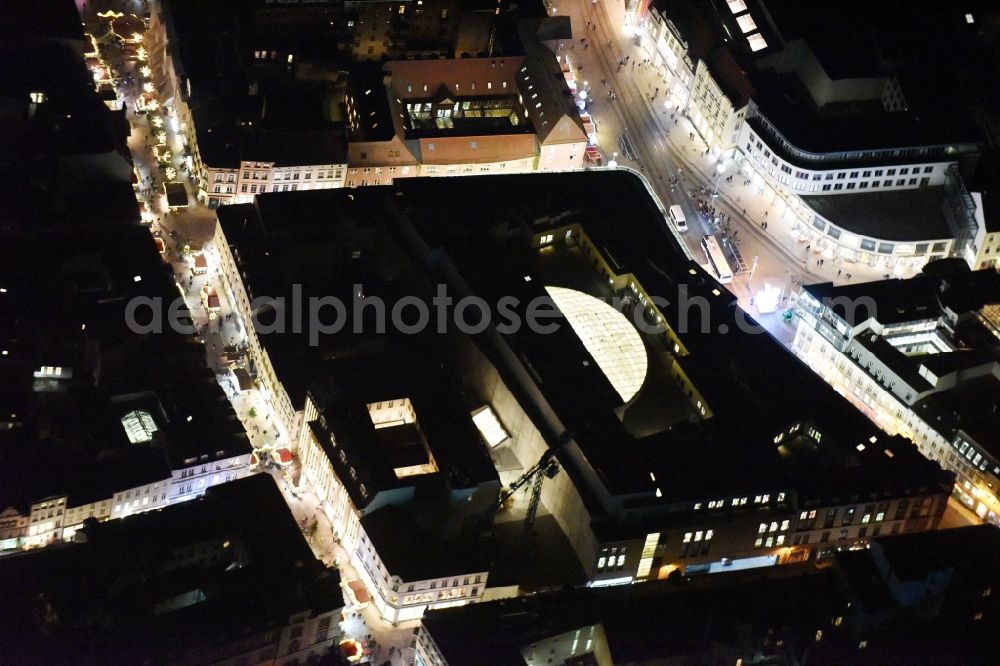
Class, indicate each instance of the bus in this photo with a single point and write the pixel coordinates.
(716, 259)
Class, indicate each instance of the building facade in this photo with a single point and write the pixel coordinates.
(889, 370)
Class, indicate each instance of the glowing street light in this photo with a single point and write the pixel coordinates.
(719, 170)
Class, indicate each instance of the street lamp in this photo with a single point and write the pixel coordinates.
(612, 163)
(719, 170)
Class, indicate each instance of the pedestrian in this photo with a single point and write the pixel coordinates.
(839, 271)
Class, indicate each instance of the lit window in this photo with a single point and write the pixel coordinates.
(489, 426)
(969, 18)
(736, 6)
(746, 23)
(757, 42)
(37, 97)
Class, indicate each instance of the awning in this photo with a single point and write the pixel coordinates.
(243, 379)
(283, 455)
(176, 194)
(201, 262)
(213, 302)
(360, 593)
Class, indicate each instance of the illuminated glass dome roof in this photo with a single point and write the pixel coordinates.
(609, 337)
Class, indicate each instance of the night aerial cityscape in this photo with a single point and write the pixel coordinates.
(500, 332)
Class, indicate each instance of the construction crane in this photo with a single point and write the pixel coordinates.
(546, 468)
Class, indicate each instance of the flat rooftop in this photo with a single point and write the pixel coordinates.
(130, 593)
(898, 216)
(64, 305)
(652, 621)
(495, 249)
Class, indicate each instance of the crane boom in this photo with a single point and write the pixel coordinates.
(546, 466)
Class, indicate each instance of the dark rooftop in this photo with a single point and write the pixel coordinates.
(48, 19)
(64, 305)
(889, 302)
(111, 591)
(904, 366)
(407, 367)
(492, 251)
(647, 623)
(916, 556)
(394, 531)
(970, 407)
(901, 215)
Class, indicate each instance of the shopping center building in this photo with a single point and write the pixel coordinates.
(677, 448)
